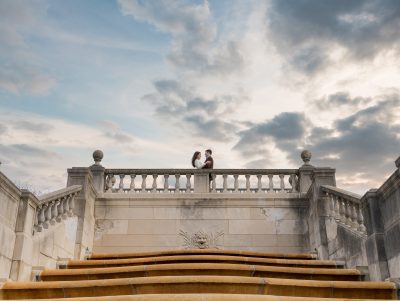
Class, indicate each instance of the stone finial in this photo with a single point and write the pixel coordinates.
(97, 156)
(306, 156)
(397, 162)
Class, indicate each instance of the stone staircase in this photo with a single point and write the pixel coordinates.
(195, 275)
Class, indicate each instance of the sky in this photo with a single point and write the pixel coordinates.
(150, 82)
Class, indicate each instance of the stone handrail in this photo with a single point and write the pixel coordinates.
(223, 180)
(345, 208)
(55, 206)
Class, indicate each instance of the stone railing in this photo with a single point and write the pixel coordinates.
(56, 206)
(345, 208)
(192, 180)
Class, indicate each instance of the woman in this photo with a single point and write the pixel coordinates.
(196, 160)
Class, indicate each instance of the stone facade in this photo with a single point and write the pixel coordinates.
(141, 223)
(288, 211)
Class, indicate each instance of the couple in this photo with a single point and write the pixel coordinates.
(207, 164)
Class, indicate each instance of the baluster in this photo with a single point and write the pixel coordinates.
(132, 185)
(121, 183)
(214, 183)
(360, 220)
(293, 182)
(259, 184)
(236, 183)
(71, 205)
(36, 217)
(177, 183)
(166, 184)
(54, 212)
(154, 186)
(60, 209)
(247, 183)
(353, 216)
(225, 183)
(188, 184)
(40, 217)
(271, 183)
(112, 183)
(282, 177)
(66, 208)
(337, 207)
(348, 213)
(331, 205)
(47, 215)
(144, 183)
(342, 210)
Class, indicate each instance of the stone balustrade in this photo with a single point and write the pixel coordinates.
(345, 208)
(186, 180)
(56, 206)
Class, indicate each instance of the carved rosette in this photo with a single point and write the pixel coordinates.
(200, 239)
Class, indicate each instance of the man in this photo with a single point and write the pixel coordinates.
(209, 163)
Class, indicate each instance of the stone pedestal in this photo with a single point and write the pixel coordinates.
(201, 182)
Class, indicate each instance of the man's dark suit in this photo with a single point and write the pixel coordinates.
(209, 165)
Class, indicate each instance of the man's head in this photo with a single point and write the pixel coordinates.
(208, 153)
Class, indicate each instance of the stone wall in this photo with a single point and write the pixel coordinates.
(274, 223)
(381, 209)
(9, 201)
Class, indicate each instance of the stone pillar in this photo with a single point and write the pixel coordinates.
(22, 256)
(319, 210)
(98, 171)
(84, 209)
(305, 172)
(201, 182)
(375, 243)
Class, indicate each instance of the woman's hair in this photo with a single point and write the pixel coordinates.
(195, 157)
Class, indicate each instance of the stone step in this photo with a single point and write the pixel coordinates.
(306, 256)
(97, 263)
(199, 285)
(187, 269)
(199, 297)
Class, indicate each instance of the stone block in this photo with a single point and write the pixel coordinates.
(207, 226)
(237, 240)
(129, 213)
(5, 267)
(281, 213)
(251, 227)
(239, 212)
(291, 227)
(166, 213)
(46, 244)
(394, 266)
(291, 240)
(158, 226)
(7, 237)
(263, 240)
(134, 240)
(202, 213)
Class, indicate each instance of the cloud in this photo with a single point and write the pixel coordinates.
(38, 127)
(208, 118)
(196, 45)
(311, 33)
(20, 71)
(285, 130)
(340, 99)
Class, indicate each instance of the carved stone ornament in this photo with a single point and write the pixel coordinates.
(200, 240)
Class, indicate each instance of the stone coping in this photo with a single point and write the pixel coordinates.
(71, 264)
(202, 252)
(201, 269)
(199, 284)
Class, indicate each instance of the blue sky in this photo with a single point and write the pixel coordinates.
(150, 82)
